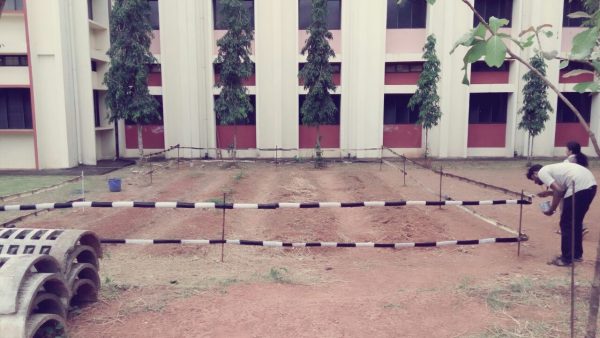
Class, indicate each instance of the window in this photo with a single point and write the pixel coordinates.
(403, 67)
(250, 119)
(395, 110)
(156, 121)
(217, 68)
(94, 66)
(13, 61)
(498, 8)
(15, 109)
(407, 14)
(218, 19)
(336, 67)
(572, 6)
(481, 66)
(90, 8)
(487, 108)
(154, 68)
(336, 100)
(334, 14)
(583, 102)
(13, 5)
(96, 108)
(154, 19)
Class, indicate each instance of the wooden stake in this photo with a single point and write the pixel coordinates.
(573, 263)
(223, 228)
(520, 224)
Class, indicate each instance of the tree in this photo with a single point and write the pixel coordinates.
(535, 103)
(318, 107)
(585, 50)
(130, 35)
(426, 98)
(233, 104)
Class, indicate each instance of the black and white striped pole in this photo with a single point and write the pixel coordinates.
(223, 229)
(573, 262)
(404, 170)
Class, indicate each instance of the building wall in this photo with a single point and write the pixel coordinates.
(62, 41)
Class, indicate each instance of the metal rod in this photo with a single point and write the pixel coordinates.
(441, 175)
(276, 162)
(177, 156)
(83, 188)
(404, 170)
(573, 263)
(223, 229)
(381, 158)
(520, 225)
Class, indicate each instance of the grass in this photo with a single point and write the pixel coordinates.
(239, 175)
(17, 184)
(279, 275)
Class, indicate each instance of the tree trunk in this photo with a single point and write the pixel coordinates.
(140, 142)
(234, 142)
(427, 142)
(318, 145)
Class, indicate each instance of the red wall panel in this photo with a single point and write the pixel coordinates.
(153, 136)
(401, 78)
(575, 79)
(251, 81)
(245, 139)
(330, 136)
(489, 77)
(155, 79)
(336, 77)
(487, 135)
(566, 132)
(402, 135)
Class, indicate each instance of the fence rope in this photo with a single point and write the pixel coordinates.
(462, 178)
(279, 205)
(316, 244)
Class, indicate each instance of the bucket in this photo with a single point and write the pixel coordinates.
(114, 184)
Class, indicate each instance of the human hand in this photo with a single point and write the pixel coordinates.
(549, 212)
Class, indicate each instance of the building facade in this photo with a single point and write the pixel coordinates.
(378, 46)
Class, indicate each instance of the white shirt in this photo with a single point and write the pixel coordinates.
(564, 174)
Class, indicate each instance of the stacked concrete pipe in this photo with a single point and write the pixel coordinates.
(33, 296)
(75, 253)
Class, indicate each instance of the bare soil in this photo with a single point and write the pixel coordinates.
(185, 291)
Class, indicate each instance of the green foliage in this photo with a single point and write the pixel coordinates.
(126, 79)
(426, 98)
(535, 99)
(233, 104)
(318, 107)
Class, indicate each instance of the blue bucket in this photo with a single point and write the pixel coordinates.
(114, 184)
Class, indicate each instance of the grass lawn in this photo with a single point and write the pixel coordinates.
(15, 184)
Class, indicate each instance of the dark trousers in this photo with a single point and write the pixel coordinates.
(583, 199)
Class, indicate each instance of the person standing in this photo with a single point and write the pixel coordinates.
(574, 155)
(560, 178)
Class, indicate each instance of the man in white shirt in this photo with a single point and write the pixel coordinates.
(561, 177)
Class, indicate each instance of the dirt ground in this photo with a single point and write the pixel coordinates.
(185, 291)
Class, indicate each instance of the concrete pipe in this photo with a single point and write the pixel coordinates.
(33, 295)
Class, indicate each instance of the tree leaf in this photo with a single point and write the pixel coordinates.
(587, 86)
(475, 52)
(496, 23)
(548, 34)
(551, 55)
(596, 66)
(576, 72)
(563, 64)
(479, 31)
(579, 15)
(584, 42)
(431, 2)
(495, 51)
(465, 40)
(465, 80)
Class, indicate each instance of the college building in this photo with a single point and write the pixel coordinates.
(53, 60)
